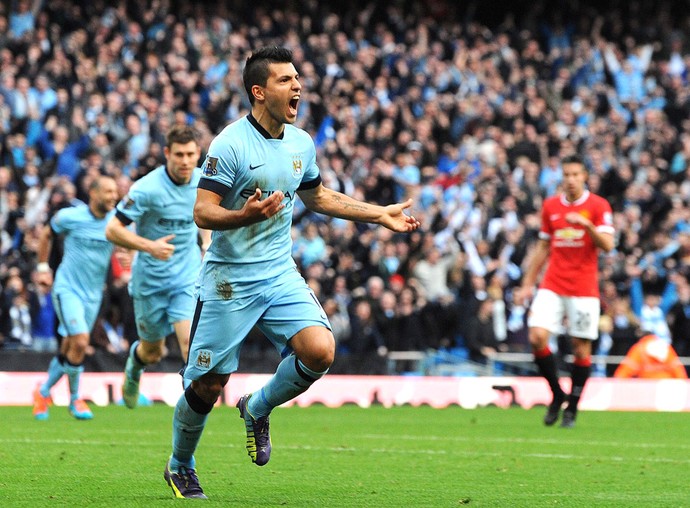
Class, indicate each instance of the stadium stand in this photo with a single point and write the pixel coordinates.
(465, 109)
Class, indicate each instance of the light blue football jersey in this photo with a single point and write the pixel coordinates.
(161, 207)
(86, 258)
(242, 158)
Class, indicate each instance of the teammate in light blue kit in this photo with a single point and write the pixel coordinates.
(252, 175)
(78, 287)
(168, 258)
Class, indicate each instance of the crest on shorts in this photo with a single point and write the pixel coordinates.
(203, 359)
(297, 166)
(210, 166)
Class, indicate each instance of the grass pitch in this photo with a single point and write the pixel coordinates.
(352, 457)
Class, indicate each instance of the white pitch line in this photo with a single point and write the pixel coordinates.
(453, 452)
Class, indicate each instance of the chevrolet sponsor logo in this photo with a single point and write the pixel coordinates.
(569, 234)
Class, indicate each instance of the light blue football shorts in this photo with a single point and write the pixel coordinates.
(156, 313)
(75, 315)
(280, 307)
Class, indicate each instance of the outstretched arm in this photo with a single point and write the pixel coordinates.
(336, 204)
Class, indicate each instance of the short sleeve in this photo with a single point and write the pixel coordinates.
(133, 205)
(219, 168)
(312, 175)
(604, 219)
(61, 221)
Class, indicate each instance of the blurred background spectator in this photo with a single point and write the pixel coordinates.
(651, 358)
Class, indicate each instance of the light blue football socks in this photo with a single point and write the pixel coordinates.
(73, 375)
(292, 378)
(189, 420)
(55, 373)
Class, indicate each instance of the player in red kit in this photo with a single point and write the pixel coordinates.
(575, 225)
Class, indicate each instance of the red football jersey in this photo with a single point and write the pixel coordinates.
(573, 265)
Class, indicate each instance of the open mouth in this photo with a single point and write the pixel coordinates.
(293, 105)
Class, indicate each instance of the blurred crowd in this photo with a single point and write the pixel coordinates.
(470, 118)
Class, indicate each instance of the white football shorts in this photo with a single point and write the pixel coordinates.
(581, 314)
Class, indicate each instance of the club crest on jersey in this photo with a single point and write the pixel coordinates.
(297, 166)
(203, 359)
(210, 166)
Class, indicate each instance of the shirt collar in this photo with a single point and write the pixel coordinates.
(261, 130)
(578, 201)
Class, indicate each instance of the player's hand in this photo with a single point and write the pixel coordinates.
(576, 218)
(161, 249)
(395, 218)
(527, 292)
(257, 209)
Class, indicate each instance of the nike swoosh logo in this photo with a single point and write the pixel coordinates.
(257, 166)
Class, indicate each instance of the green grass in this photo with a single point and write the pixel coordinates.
(352, 457)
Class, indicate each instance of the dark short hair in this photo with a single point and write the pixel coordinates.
(181, 134)
(256, 69)
(574, 159)
(96, 182)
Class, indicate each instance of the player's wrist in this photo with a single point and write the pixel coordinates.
(43, 267)
(149, 247)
